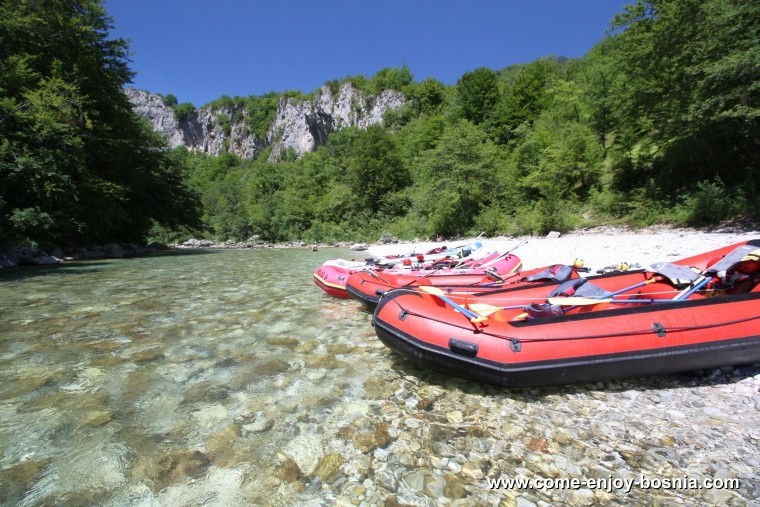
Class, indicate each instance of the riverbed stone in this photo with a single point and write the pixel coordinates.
(259, 424)
(176, 465)
(288, 471)
(220, 446)
(304, 450)
(328, 467)
(387, 479)
(18, 478)
(369, 441)
(472, 471)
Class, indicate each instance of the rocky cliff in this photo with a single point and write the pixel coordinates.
(300, 125)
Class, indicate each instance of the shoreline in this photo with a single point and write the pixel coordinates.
(597, 247)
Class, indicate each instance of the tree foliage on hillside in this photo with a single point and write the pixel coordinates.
(76, 164)
(658, 122)
(691, 102)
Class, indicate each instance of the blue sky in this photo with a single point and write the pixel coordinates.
(200, 50)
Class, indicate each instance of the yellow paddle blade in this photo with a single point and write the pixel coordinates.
(430, 289)
(484, 309)
(752, 256)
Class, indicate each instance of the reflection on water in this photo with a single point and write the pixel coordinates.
(227, 378)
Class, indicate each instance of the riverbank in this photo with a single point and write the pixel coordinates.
(206, 376)
(597, 247)
(21, 255)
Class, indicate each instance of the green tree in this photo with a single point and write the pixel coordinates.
(390, 78)
(459, 177)
(478, 93)
(76, 164)
(375, 168)
(602, 83)
(426, 97)
(693, 84)
(522, 103)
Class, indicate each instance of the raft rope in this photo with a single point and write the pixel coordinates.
(375, 275)
(483, 331)
(635, 333)
(527, 300)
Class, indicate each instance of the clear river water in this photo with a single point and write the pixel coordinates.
(228, 378)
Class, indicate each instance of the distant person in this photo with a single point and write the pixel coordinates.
(314, 247)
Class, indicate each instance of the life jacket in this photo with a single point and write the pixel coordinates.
(579, 287)
(555, 273)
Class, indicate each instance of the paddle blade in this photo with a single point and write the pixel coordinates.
(484, 309)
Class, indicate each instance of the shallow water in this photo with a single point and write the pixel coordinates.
(228, 378)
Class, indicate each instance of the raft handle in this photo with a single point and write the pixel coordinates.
(515, 345)
(659, 329)
(463, 348)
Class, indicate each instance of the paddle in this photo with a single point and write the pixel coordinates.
(486, 309)
(435, 291)
(423, 276)
(581, 301)
(741, 253)
(563, 301)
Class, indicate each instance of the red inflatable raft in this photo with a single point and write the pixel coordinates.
(332, 276)
(368, 287)
(663, 320)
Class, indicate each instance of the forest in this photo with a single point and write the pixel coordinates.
(658, 123)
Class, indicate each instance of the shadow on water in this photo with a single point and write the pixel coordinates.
(88, 266)
(689, 379)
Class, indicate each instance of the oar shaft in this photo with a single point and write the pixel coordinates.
(461, 309)
(634, 286)
(474, 317)
(694, 288)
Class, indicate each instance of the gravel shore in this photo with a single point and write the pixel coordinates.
(688, 439)
(598, 247)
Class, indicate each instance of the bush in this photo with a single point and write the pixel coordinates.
(182, 111)
(710, 203)
(493, 221)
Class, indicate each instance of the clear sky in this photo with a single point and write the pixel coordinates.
(200, 50)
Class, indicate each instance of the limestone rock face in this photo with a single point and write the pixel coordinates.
(299, 125)
(161, 116)
(302, 126)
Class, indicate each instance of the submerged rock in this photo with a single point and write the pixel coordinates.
(328, 467)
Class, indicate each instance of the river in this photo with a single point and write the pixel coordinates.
(228, 378)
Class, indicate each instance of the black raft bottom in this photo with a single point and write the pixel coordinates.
(572, 370)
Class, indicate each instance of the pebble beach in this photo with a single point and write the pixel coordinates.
(672, 439)
(599, 247)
